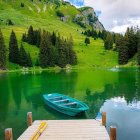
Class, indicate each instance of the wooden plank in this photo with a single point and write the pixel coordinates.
(112, 133)
(68, 130)
(104, 118)
(29, 119)
(8, 134)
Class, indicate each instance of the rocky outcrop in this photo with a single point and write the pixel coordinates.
(88, 17)
(64, 19)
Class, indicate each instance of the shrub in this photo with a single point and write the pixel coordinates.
(59, 14)
(9, 22)
(22, 4)
(87, 41)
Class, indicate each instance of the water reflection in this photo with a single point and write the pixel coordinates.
(125, 116)
(16, 90)
(62, 82)
(116, 92)
(121, 103)
(95, 100)
(4, 97)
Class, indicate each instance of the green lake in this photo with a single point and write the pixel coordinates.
(115, 91)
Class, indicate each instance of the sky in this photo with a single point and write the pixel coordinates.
(116, 15)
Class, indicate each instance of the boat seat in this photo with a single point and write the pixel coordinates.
(72, 103)
(59, 101)
(58, 97)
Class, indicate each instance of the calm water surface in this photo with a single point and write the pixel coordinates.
(116, 91)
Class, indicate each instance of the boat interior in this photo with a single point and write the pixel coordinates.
(63, 101)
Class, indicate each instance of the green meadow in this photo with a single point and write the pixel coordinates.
(43, 16)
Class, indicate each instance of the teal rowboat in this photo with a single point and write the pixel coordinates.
(65, 104)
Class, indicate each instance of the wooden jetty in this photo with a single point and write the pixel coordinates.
(87, 129)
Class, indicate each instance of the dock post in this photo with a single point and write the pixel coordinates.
(8, 134)
(112, 133)
(29, 119)
(104, 119)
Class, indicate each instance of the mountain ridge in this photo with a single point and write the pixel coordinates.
(41, 7)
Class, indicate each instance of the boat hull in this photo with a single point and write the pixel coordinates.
(63, 110)
(65, 104)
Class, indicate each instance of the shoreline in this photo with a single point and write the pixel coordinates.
(58, 69)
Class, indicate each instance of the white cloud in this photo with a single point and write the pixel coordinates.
(128, 23)
(117, 15)
(120, 29)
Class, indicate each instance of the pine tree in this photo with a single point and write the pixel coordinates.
(123, 55)
(94, 34)
(38, 38)
(88, 33)
(113, 36)
(108, 43)
(138, 57)
(53, 38)
(31, 36)
(24, 37)
(62, 61)
(123, 51)
(138, 45)
(57, 47)
(13, 49)
(132, 41)
(43, 54)
(37, 62)
(29, 60)
(85, 33)
(104, 34)
(72, 58)
(100, 34)
(72, 55)
(51, 55)
(23, 57)
(117, 39)
(2, 52)
(50, 50)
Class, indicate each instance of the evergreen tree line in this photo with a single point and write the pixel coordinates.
(128, 45)
(2, 52)
(18, 55)
(33, 37)
(106, 36)
(54, 50)
(108, 41)
(94, 34)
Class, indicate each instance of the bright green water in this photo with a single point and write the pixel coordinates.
(115, 91)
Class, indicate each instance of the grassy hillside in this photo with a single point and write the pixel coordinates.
(42, 15)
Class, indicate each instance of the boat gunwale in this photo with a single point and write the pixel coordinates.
(83, 107)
